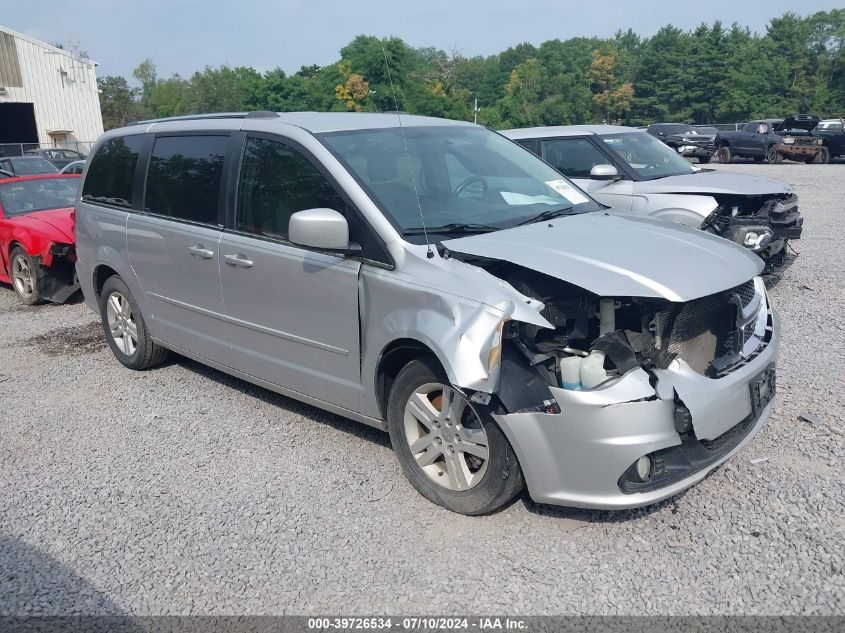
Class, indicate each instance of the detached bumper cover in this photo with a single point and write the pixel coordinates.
(580, 456)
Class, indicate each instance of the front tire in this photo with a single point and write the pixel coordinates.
(703, 160)
(451, 450)
(125, 328)
(26, 276)
(725, 154)
(823, 157)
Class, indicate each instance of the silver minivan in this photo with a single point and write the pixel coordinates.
(433, 279)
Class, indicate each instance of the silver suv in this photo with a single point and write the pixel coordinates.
(435, 280)
(631, 171)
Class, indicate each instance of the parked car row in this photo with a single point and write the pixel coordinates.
(507, 326)
(801, 137)
(57, 156)
(690, 141)
(32, 165)
(798, 138)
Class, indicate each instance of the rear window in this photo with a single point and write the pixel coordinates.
(183, 180)
(112, 172)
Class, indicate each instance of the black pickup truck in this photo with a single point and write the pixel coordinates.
(832, 133)
(772, 140)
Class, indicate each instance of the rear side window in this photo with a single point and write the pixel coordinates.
(112, 171)
(276, 181)
(184, 176)
(573, 157)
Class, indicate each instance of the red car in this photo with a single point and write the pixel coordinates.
(37, 252)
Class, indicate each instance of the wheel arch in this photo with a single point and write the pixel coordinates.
(393, 358)
(101, 273)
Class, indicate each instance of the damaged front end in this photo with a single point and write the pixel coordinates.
(59, 280)
(628, 400)
(762, 224)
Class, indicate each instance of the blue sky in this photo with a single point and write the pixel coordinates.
(186, 35)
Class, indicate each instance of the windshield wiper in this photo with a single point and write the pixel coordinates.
(454, 227)
(547, 215)
(120, 202)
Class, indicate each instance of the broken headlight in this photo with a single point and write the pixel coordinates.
(754, 238)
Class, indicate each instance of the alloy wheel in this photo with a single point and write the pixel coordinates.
(23, 276)
(446, 437)
(121, 321)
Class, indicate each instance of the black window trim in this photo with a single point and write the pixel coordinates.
(108, 205)
(232, 198)
(144, 161)
(595, 139)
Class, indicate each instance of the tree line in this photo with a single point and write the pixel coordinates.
(710, 74)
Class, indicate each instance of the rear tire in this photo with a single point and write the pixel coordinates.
(458, 458)
(725, 154)
(27, 276)
(125, 328)
(773, 157)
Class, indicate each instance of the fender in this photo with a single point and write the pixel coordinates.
(465, 334)
(33, 242)
(690, 210)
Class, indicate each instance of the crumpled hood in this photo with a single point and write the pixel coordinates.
(54, 223)
(615, 256)
(714, 182)
(798, 122)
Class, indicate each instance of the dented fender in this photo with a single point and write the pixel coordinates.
(464, 332)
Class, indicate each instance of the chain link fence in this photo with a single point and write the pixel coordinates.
(20, 149)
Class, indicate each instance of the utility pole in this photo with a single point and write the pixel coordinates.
(475, 111)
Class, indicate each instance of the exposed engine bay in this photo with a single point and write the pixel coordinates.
(761, 223)
(596, 340)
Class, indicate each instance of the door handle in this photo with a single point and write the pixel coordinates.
(238, 261)
(200, 252)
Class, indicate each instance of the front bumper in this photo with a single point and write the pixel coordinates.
(794, 151)
(697, 151)
(579, 456)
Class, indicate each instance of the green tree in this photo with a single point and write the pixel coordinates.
(118, 102)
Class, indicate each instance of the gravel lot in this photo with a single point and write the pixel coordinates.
(184, 491)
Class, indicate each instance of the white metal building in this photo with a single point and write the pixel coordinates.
(48, 96)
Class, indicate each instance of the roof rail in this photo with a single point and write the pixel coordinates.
(260, 114)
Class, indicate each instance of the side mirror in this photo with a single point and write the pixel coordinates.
(604, 172)
(323, 229)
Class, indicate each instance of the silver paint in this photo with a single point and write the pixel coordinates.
(314, 325)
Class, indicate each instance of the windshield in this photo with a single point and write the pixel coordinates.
(35, 165)
(647, 157)
(27, 196)
(463, 175)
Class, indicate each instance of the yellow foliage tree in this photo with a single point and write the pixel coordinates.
(354, 91)
(611, 99)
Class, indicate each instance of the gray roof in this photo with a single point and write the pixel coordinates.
(314, 122)
(341, 121)
(566, 130)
